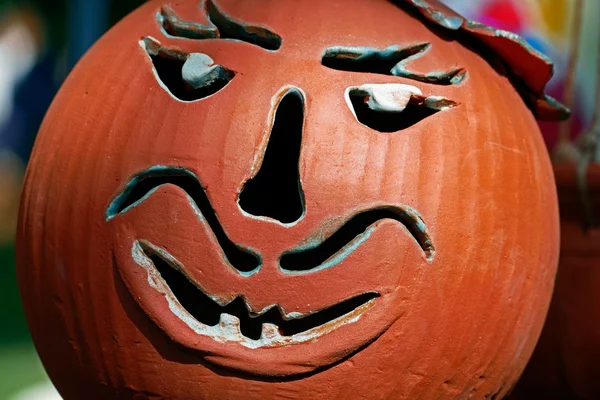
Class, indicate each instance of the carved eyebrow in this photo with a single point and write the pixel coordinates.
(391, 60)
(222, 26)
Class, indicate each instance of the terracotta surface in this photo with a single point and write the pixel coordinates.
(565, 362)
(452, 275)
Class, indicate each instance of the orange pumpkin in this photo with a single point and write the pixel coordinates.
(309, 199)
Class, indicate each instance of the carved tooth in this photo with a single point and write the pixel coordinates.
(292, 315)
(220, 301)
(270, 332)
(253, 313)
(230, 326)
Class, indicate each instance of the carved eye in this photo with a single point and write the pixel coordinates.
(393, 107)
(188, 77)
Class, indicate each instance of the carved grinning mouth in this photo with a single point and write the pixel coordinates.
(237, 314)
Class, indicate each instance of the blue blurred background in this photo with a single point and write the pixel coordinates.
(40, 40)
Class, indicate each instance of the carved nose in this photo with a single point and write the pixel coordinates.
(276, 190)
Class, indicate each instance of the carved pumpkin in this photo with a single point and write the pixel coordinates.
(316, 199)
(564, 364)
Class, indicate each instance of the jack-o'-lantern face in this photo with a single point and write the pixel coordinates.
(265, 289)
(290, 189)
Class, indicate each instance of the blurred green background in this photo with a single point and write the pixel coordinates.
(40, 40)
